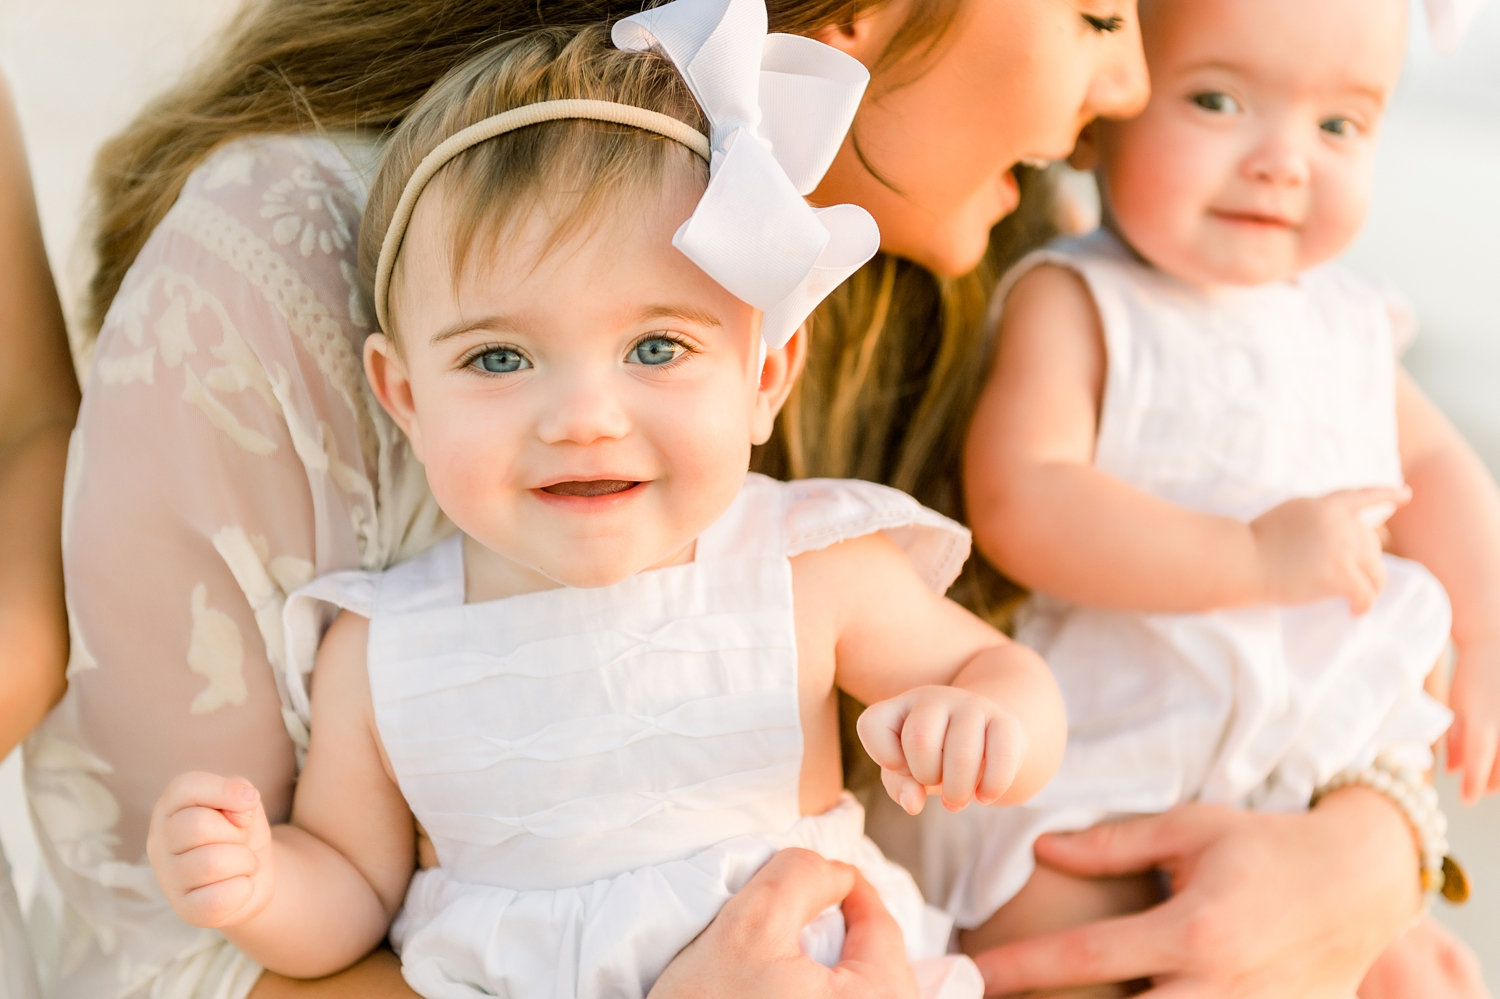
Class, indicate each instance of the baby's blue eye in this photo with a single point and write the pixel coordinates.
(1219, 103)
(657, 350)
(1341, 127)
(501, 361)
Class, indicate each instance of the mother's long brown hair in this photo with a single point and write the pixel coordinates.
(896, 354)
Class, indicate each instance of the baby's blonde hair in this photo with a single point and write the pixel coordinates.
(574, 170)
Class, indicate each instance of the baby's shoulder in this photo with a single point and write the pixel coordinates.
(1360, 304)
(1338, 280)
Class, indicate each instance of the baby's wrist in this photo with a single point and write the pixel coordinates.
(1256, 581)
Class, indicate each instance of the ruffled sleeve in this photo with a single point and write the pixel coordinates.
(823, 512)
(227, 452)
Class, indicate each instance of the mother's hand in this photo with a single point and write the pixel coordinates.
(751, 949)
(1262, 906)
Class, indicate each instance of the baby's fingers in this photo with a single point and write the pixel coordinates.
(1373, 504)
(234, 796)
(208, 865)
(923, 735)
(195, 826)
(1005, 747)
(879, 729)
(903, 790)
(219, 903)
(1364, 587)
(963, 755)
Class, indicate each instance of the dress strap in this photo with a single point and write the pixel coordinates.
(305, 616)
(429, 581)
(751, 528)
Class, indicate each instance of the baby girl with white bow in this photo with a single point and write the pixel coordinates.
(613, 694)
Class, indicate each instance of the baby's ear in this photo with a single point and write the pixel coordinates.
(392, 386)
(777, 376)
(1086, 152)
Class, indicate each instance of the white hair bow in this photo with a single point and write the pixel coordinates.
(778, 107)
(1449, 19)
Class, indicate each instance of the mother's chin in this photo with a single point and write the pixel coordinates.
(950, 240)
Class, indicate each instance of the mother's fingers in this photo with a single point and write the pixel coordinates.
(1480, 745)
(1110, 950)
(1177, 989)
(1132, 846)
(872, 933)
(785, 895)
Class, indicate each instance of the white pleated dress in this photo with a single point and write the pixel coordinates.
(1228, 402)
(600, 769)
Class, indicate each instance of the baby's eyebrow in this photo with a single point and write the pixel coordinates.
(690, 313)
(494, 324)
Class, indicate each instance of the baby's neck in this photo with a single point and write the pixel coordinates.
(488, 575)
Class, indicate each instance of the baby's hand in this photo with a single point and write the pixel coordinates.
(1473, 742)
(1315, 548)
(210, 844)
(946, 739)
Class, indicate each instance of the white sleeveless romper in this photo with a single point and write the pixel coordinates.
(599, 770)
(1227, 402)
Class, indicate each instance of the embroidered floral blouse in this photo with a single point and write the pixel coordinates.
(227, 451)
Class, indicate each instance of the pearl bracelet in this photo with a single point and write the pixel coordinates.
(1418, 801)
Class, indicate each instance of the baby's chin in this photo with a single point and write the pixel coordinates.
(1229, 270)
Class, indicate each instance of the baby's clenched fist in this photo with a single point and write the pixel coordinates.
(210, 845)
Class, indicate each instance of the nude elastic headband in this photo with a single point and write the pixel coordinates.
(489, 128)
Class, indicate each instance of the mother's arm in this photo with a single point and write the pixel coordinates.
(38, 402)
(1262, 906)
(225, 454)
(376, 977)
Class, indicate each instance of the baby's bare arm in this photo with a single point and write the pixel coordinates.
(1452, 526)
(313, 896)
(376, 977)
(953, 703)
(1048, 518)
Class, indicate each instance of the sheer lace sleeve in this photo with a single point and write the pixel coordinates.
(227, 451)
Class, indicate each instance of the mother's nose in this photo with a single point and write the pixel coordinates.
(1121, 86)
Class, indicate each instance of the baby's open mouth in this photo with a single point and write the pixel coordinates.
(591, 487)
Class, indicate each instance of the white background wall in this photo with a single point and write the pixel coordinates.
(80, 67)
